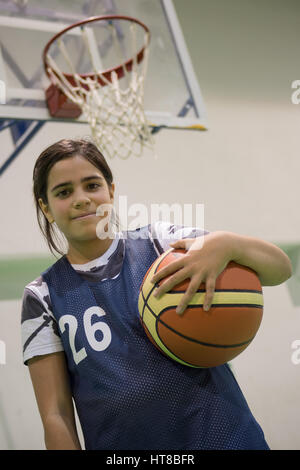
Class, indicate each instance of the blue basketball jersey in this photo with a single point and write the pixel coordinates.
(128, 395)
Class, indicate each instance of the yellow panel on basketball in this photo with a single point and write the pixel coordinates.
(146, 286)
(199, 338)
(150, 324)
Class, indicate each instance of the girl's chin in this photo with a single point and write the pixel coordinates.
(91, 237)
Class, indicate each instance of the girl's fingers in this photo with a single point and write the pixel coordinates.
(167, 271)
(189, 294)
(167, 285)
(190, 291)
(210, 290)
(184, 243)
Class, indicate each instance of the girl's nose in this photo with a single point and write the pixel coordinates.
(81, 201)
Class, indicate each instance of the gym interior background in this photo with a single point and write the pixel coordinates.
(244, 169)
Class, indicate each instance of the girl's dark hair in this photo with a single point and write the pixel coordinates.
(61, 150)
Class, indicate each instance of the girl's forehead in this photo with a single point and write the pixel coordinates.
(72, 167)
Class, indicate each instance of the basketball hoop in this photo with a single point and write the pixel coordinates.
(111, 97)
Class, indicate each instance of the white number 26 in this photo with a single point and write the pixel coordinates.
(90, 332)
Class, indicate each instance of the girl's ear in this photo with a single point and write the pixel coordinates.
(46, 211)
(112, 191)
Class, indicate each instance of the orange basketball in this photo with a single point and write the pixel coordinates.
(198, 338)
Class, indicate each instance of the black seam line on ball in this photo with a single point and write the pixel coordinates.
(165, 255)
(198, 305)
(203, 343)
(146, 299)
(216, 290)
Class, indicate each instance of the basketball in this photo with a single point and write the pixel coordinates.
(198, 338)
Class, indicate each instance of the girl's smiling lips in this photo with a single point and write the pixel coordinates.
(83, 216)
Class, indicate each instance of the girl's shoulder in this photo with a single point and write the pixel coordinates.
(163, 230)
(164, 233)
(36, 299)
(38, 325)
(161, 233)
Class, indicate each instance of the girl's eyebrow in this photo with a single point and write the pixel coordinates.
(86, 178)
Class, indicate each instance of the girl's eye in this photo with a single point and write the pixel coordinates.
(66, 192)
(63, 193)
(93, 186)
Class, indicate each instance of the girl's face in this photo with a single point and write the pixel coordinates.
(75, 190)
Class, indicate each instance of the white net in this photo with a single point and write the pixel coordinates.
(113, 106)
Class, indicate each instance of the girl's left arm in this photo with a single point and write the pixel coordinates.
(208, 256)
(271, 264)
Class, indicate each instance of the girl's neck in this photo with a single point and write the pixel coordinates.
(84, 253)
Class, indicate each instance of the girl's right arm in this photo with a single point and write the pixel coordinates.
(50, 381)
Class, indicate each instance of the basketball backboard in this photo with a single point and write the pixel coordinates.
(172, 93)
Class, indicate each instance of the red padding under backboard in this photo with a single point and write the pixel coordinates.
(59, 104)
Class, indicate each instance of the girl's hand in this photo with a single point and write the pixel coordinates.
(205, 259)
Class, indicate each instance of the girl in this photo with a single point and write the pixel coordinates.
(81, 331)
